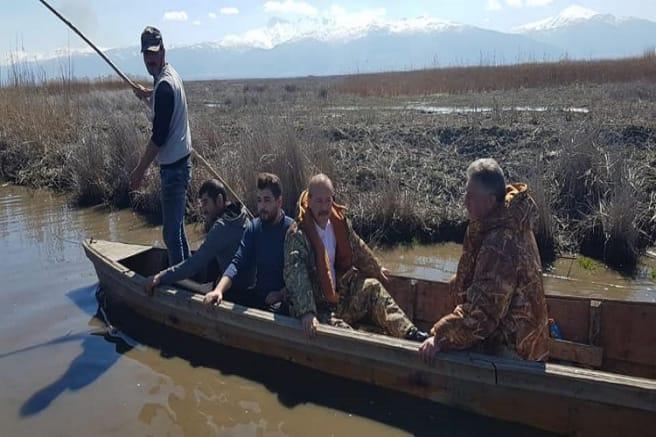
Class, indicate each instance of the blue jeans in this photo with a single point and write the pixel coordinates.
(175, 180)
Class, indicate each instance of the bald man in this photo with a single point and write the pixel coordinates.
(331, 275)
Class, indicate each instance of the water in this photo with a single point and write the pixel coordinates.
(567, 276)
(63, 372)
(456, 110)
(449, 110)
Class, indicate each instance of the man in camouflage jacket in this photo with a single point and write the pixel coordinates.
(498, 283)
(328, 285)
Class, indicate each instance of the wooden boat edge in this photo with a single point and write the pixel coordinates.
(581, 390)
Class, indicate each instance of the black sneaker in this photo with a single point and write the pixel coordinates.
(415, 334)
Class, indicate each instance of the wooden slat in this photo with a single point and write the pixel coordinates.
(594, 326)
(604, 387)
(116, 251)
(572, 317)
(433, 302)
(196, 287)
(403, 292)
(575, 353)
(628, 332)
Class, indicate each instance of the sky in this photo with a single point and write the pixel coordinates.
(27, 26)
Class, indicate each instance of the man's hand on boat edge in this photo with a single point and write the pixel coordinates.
(310, 324)
(214, 297)
(153, 281)
(428, 350)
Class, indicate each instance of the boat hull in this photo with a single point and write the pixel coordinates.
(556, 398)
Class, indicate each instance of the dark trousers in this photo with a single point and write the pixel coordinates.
(253, 298)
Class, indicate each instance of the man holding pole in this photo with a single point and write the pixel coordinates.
(170, 142)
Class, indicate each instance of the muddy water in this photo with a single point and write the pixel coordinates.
(64, 372)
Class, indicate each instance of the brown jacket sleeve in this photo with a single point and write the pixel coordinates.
(487, 299)
(363, 257)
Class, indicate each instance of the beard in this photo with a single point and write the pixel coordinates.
(268, 216)
(321, 216)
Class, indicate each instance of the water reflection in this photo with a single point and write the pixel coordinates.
(567, 276)
(214, 403)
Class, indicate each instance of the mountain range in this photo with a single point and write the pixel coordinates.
(285, 49)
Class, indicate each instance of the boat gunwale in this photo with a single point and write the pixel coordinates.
(550, 293)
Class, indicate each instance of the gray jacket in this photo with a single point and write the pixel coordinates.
(221, 244)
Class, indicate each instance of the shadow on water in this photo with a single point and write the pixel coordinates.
(296, 385)
(292, 384)
(94, 360)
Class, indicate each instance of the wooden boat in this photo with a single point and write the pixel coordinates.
(604, 383)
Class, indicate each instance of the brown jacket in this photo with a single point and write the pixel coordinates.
(499, 286)
(304, 292)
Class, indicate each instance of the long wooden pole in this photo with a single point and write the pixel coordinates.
(214, 173)
(93, 46)
(123, 76)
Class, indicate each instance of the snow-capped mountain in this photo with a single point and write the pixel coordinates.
(320, 46)
(280, 31)
(568, 17)
(583, 33)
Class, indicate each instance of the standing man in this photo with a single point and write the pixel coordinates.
(170, 143)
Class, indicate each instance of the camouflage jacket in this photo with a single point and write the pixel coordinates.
(304, 294)
(499, 285)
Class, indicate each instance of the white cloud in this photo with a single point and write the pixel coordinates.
(175, 16)
(212, 15)
(342, 18)
(290, 7)
(493, 5)
(527, 3)
(196, 23)
(229, 11)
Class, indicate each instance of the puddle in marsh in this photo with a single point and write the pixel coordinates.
(567, 276)
(64, 373)
(457, 110)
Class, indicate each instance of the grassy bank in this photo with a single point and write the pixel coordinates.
(398, 166)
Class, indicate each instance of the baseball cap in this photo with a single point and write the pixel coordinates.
(151, 40)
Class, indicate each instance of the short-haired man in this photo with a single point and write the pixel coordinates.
(170, 143)
(331, 275)
(498, 283)
(262, 248)
(225, 223)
